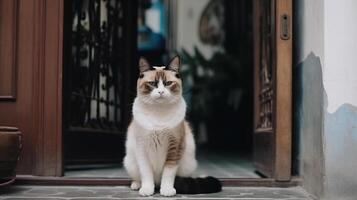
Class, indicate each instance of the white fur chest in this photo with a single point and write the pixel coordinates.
(159, 117)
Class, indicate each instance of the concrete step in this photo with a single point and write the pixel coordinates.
(121, 192)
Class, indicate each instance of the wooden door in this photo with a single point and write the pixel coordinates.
(30, 80)
(272, 91)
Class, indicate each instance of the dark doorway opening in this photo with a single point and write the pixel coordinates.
(214, 40)
(99, 50)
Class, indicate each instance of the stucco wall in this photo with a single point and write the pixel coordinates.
(309, 93)
(325, 79)
(308, 123)
(340, 82)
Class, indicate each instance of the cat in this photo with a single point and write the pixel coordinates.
(160, 146)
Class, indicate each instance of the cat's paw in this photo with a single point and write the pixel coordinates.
(167, 191)
(146, 190)
(135, 185)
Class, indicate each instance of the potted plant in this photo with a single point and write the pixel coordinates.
(216, 90)
(10, 148)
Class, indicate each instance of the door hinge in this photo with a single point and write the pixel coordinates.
(285, 27)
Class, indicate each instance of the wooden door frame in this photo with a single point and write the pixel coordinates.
(48, 28)
(281, 131)
(283, 105)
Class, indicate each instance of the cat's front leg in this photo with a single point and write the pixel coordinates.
(168, 180)
(146, 173)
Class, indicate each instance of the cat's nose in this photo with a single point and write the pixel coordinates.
(161, 92)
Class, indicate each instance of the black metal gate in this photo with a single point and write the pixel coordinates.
(99, 55)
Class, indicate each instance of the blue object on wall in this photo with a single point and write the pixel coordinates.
(150, 40)
(151, 36)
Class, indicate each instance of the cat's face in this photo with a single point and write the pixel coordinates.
(159, 85)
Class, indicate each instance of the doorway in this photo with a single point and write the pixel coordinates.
(99, 47)
(221, 75)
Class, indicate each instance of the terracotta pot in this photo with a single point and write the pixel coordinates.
(10, 148)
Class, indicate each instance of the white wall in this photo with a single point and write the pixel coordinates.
(340, 73)
(188, 16)
(327, 29)
(308, 93)
(340, 82)
(310, 28)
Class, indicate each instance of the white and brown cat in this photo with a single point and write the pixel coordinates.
(160, 147)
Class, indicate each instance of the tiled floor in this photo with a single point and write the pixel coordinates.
(222, 165)
(120, 192)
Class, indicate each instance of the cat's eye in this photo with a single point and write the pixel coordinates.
(152, 83)
(167, 83)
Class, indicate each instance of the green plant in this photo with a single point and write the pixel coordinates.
(212, 84)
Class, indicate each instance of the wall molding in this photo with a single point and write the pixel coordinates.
(8, 88)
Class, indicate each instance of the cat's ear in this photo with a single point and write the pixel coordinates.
(143, 64)
(174, 64)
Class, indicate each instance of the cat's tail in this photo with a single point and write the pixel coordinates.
(188, 185)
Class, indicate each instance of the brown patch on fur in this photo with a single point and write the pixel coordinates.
(145, 88)
(174, 87)
(175, 146)
(160, 74)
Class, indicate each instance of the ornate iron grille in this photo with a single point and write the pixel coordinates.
(266, 87)
(96, 66)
